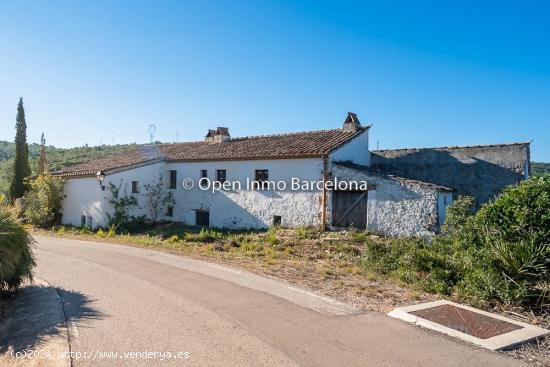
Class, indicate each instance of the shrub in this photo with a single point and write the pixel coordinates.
(112, 231)
(158, 197)
(43, 200)
(16, 257)
(515, 228)
(121, 219)
(271, 236)
(431, 266)
(205, 235)
(502, 252)
(305, 233)
(173, 240)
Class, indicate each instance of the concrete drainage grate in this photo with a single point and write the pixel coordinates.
(482, 328)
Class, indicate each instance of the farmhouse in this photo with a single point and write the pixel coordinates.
(398, 192)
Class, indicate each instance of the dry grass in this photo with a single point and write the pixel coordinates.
(328, 263)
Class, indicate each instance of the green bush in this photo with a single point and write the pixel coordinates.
(431, 266)
(515, 229)
(16, 257)
(43, 200)
(501, 253)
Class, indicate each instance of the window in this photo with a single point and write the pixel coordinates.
(170, 211)
(202, 218)
(261, 177)
(83, 221)
(173, 179)
(276, 220)
(204, 173)
(135, 188)
(220, 175)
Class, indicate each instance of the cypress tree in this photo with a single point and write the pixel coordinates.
(42, 168)
(21, 168)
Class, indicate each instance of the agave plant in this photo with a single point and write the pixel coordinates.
(16, 257)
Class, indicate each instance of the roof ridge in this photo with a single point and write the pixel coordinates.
(454, 147)
(287, 134)
(240, 138)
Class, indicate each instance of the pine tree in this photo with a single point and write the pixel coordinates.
(21, 168)
(42, 168)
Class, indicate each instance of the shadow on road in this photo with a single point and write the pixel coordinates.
(37, 316)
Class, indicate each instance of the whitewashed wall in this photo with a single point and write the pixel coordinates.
(143, 175)
(248, 208)
(83, 196)
(395, 208)
(355, 151)
(228, 209)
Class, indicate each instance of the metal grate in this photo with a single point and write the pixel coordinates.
(468, 322)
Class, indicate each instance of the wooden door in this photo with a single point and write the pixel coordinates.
(349, 208)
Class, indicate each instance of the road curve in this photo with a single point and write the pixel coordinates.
(128, 306)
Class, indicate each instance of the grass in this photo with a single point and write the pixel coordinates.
(330, 255)
(302, 256)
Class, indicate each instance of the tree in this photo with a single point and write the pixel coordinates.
(158, 197)
(21, 168)
(43, 200)
(42, 168)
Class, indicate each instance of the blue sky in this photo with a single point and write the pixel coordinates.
(424, 73)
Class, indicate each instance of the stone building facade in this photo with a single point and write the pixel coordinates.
(406, 192)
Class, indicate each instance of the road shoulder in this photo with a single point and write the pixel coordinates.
(34, 331)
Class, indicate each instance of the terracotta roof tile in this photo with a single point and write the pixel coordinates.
(283, 146)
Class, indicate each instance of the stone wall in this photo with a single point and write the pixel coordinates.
(395, 207)
(480, 171)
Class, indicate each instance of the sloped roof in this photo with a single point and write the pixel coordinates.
(404, 180)
(308, 144)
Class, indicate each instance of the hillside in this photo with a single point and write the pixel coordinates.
(540, 168)
(57, 158)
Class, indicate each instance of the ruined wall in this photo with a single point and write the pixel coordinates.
(481, 172)
(395, 208)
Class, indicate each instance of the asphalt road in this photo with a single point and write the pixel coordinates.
(121, 300)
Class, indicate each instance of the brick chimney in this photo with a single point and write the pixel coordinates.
(351, 123)
(219, 135)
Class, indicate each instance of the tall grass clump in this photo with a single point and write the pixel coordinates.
(16, 257)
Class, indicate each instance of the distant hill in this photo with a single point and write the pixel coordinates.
(57, 158)
(540, 168)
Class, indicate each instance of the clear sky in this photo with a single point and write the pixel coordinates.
(424, 73)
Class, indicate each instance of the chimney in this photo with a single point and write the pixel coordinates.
(351, 123)
(209, 138)
(219, 135)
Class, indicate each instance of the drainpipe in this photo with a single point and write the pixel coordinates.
(324, 198)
